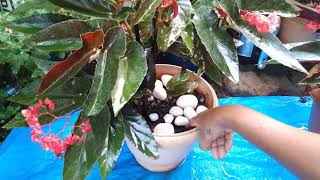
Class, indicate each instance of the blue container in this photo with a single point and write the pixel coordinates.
(247, 48)
(9, 90)
(264, 56)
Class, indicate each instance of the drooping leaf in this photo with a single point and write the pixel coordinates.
(106, 71)
(80, 157)
(26, 96)
(308, 51)
(203, 60)
(217, 42)
(102, 144)
(77, 162)
(59, 44)
(33, 7)
(200, 58)
(124, 13)
(65, 35)
(146, 10)
(65, 70)
(188, 36)
(35, 23)
(100, 8)
(269, 44)
(179, 79)
(313, 77)
(303, 51)
(282, 7)
(64, 106)
(44, 65)
(69, 90)
(183, 88)
(66, 98)
(265, 41)
(167, 35)
(138, 132)
(131, 72)
(146, 31)
(17, 121)
(180, 84)
(113, 146)
(181, 50)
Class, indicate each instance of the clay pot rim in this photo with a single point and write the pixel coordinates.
(215, 103)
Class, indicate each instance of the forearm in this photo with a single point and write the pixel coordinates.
(296, 149)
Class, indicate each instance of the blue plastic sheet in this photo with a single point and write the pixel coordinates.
(22, 159)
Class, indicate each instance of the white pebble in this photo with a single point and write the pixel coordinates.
(176, 111)
(153, 116)
(158, 83)
(187, 100)
(164, 129)
(165, 79)
(160, 93)
(201, 108)
(181, 121)
(189, 112)
(168, 118)
(151, 98)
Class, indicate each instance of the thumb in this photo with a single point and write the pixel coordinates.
(193, 122)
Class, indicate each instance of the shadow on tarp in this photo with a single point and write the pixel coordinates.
(22, 159)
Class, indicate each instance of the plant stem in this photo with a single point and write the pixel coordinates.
(129, 29)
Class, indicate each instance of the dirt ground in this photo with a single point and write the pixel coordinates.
(274, 80)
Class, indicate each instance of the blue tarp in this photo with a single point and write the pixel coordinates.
(22, 159)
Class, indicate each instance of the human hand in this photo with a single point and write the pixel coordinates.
(214, 135)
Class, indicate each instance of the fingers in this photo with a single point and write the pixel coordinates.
(218, 151)
(228, 140)
(214, 150)
(222, 145)
(205, 141)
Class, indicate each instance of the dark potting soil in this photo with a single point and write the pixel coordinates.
(162, 108)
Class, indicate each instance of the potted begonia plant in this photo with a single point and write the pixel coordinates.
(128, 97)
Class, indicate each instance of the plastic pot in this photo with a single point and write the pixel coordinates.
(174, 148)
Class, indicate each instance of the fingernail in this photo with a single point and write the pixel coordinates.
(191, 124)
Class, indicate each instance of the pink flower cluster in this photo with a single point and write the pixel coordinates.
(50, 141)
(263, 23)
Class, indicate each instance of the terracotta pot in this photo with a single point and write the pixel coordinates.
(174, 148)
(290, 27)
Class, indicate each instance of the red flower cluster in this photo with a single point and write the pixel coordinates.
(50, 141)
(312, 26)
(263, 23)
